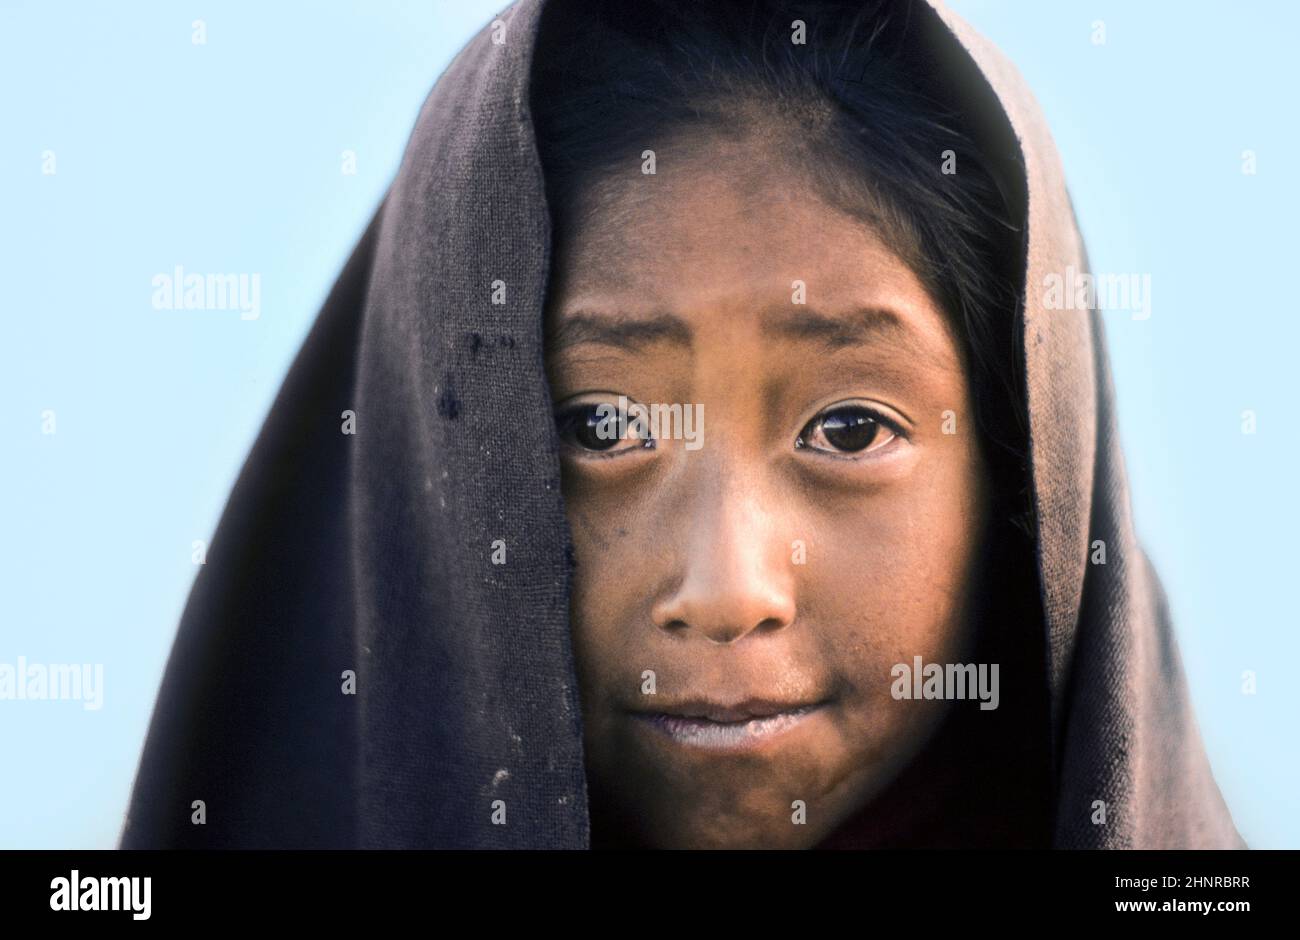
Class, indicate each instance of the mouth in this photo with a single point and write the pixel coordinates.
(713, 726)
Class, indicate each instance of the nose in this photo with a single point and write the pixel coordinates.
(735, 575)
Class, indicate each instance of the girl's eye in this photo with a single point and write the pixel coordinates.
(847, 429)
(600, 427)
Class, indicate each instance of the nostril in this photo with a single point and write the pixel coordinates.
(722, 619)
(723, 636)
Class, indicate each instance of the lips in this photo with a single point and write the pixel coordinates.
(739, 712)
(716, 726)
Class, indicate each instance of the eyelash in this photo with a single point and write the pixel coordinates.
(875, 415)
(566, 417)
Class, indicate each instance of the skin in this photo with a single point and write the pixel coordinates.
(689, 560)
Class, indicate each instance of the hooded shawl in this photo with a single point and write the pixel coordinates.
(370, 554)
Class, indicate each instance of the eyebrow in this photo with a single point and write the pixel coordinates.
(858, 327)
(621, 331)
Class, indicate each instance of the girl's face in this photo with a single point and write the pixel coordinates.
(822, 523)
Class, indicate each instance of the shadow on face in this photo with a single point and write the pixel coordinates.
(776, 494)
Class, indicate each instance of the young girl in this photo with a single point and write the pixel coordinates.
(688, 457)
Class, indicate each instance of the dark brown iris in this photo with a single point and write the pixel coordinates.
(583, 425)
(850, 429)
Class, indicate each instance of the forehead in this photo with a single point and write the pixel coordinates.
(726, 230)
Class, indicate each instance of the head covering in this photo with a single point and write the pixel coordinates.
(373, 551)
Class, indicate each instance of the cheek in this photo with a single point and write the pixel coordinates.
(892, 577)
(897, 570)
(611, 585)
(913, 547)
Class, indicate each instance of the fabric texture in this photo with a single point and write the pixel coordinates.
(373, 551)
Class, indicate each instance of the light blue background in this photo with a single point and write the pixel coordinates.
(227, 157)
